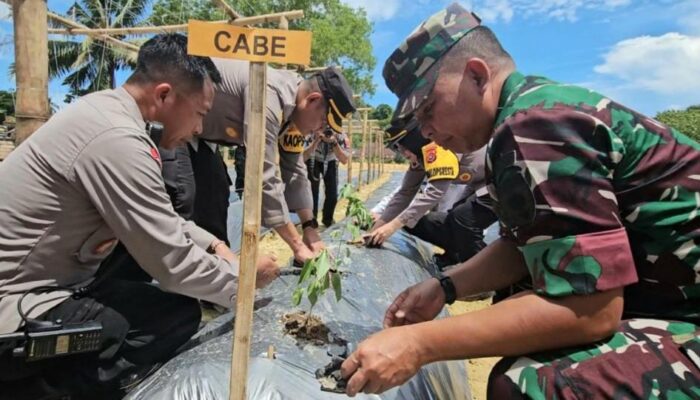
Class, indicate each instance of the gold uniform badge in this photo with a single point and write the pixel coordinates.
(292, 141)
(439, 163)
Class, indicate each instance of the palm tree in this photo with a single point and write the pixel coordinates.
(90, 65)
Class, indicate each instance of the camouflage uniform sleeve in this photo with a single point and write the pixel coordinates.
(402, 198)
(551, 180)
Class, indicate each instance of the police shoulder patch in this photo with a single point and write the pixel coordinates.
(292, 140)
(439, 163)
(155, 155)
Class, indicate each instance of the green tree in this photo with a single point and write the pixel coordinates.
(340, 32)
(90, 65)
(383, 113)
(7, 102)
(687, 121)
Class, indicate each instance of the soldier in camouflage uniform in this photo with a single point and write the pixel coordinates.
(598, 207)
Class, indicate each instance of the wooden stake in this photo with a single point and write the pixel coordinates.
(228, 10)
(252, 202)
(350, 149)
(373, 160)
(147, 30)
(381, 154)
(370, 148)
(362, 149)
(89, 32)
(283, 24)
(31, 66)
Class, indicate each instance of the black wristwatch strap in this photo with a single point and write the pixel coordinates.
(448, 287)
(312, 223)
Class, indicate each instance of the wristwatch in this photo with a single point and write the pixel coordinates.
(312, 223)
(448, 287)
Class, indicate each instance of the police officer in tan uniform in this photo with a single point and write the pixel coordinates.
(89, 178)
(323, 154)
(295, 108)
(458, 231)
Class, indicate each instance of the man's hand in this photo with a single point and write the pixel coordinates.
(302, 253)
(419, 303)
(223, 251)
(384, 360)
(313, 241)
(378, 222)
(267, 271)
(379, 235)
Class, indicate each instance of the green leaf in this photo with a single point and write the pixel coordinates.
(335, 234)
(297, 295)
(307, 269)
(354, 231)
(335, 280)
(313, 292)
(323, 264)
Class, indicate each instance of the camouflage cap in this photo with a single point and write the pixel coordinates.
(411, 70)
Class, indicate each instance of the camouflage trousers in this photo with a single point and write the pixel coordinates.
(645, 359)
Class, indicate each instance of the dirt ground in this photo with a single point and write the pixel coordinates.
(478, 369)
(273, 245)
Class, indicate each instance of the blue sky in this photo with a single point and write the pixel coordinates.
(643, 53)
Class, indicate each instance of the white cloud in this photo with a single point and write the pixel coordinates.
(494, 10)
(667, 64)
(563, 10)
(377, 10)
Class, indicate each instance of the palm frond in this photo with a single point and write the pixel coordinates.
(61, 56)
(131, 14)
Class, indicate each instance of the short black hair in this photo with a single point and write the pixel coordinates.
(164, 58)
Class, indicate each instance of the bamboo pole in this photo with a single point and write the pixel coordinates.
(362, 148)
(283, 24)
(370, 160)
(252, 202)
(31, 66)
(90, 32)
(375, 170)
(228, 10)
(375, 159)
(381, 154)
(147, 30)
(350, 149)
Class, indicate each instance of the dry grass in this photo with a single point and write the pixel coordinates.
(274, 245)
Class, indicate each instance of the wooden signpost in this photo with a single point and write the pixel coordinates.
(259, 46)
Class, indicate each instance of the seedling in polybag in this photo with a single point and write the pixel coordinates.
(358, 216)
(322, 271)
